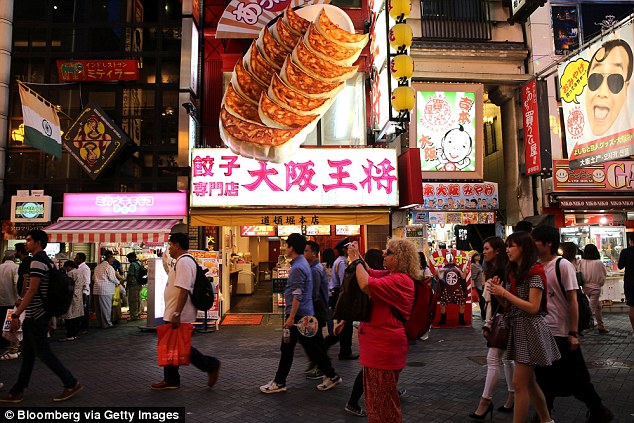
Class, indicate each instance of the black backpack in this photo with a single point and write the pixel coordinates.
(61, 289)
(142, 277)
(204, 293)
(585, 313)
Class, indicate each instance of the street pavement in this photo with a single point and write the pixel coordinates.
(444, 376)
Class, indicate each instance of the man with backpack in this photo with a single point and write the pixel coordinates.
(568, 375)
(135, 274)
(35, 327)
(179, 308)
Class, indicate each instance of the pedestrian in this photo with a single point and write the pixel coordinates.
(8, 296)
(83, 274)
(626, 261)
(530, 342)
(328, 260)
(35, 327)
(594, 274)
(179, 308)
(134, 286)
(24, 267)
(569, 374)
(103, 291)
(72, 318)
(495, 259)
(477, 277)
(298, 296)
(382, 340)
(320, 300)
(424, 265)
(345, 336)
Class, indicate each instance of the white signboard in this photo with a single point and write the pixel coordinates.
(313, 177)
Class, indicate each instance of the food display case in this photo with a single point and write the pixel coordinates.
(580, 235)
(610, 240)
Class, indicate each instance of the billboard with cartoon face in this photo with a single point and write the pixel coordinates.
(447, 124)
(596, 96)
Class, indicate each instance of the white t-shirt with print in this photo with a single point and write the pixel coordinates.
(182, 275)
(557, 318)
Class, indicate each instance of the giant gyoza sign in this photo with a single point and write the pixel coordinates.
(313, 177)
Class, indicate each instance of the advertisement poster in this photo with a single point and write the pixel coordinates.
(460, 196)
(448, 127)
(598, 100)
(94, 140)
(209, 260)
(531, 128)
(565, 20)
(98, 70)
(613, 176)
(601, 16)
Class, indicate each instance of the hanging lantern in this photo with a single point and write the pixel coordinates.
(400, 37)
(402, 67)
(403, 98)
(399, 9)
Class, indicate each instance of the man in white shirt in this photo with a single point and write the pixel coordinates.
(84, 275)
(105, 284)
(179, 308)
(8, 296)
(568, 375)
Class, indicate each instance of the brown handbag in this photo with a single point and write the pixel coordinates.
(498, 337)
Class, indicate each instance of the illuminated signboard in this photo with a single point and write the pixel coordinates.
(460, 196)
(348, 230)
(286, 230)
(448, 127)
(613, 176)
(98, 70)
(597, 98)
(321, 177)
(126, 204)
(318, 230)
(30, 209)
(257, 230)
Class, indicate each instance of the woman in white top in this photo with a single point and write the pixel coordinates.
(594, 274)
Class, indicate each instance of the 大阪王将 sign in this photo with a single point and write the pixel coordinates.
(126, 204)
(312, 177)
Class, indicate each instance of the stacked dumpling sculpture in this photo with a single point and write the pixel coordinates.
(286, 81)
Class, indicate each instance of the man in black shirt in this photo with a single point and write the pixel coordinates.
(626, 260)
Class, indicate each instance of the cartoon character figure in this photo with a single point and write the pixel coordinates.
(456, 146)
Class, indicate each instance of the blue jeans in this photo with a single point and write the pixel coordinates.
(202, 362)
(35, 343)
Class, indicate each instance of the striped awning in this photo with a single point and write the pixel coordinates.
(138, 230)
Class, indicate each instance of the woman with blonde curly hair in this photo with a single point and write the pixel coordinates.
(382, 341)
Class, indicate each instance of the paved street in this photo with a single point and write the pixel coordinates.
(444, 376)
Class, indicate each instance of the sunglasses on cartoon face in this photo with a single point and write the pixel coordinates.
(616, 82)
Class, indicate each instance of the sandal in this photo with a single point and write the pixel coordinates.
(70, 338)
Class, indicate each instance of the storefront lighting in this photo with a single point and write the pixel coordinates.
(403, 99)
(399, 9)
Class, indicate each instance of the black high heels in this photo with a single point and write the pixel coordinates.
(503, 409)
(489, 410)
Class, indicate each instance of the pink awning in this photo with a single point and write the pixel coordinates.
(138, 230)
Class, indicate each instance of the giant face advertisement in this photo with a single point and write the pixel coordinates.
(597, 100)
(448, 130)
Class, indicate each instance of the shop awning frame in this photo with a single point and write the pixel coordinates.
(330, 216)
(120, 230)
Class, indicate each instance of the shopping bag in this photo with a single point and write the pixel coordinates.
(475, 298)
(174, 345)
(11, 336)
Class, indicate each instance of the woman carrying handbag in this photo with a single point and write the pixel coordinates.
(530, 342)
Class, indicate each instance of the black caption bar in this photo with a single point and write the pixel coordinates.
(94, 414)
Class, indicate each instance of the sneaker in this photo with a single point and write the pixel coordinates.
(9, 356)
(602, 415)
(69, 338)
(356, 410)
(68, 393)
(12, 398)
(162, 386)
(213, 376)
(272, 387)
(329, 383)
(314, 374)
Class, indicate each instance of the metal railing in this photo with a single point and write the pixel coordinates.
(466, 20)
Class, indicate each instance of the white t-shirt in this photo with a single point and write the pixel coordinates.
(557, 318)
(181, 276)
